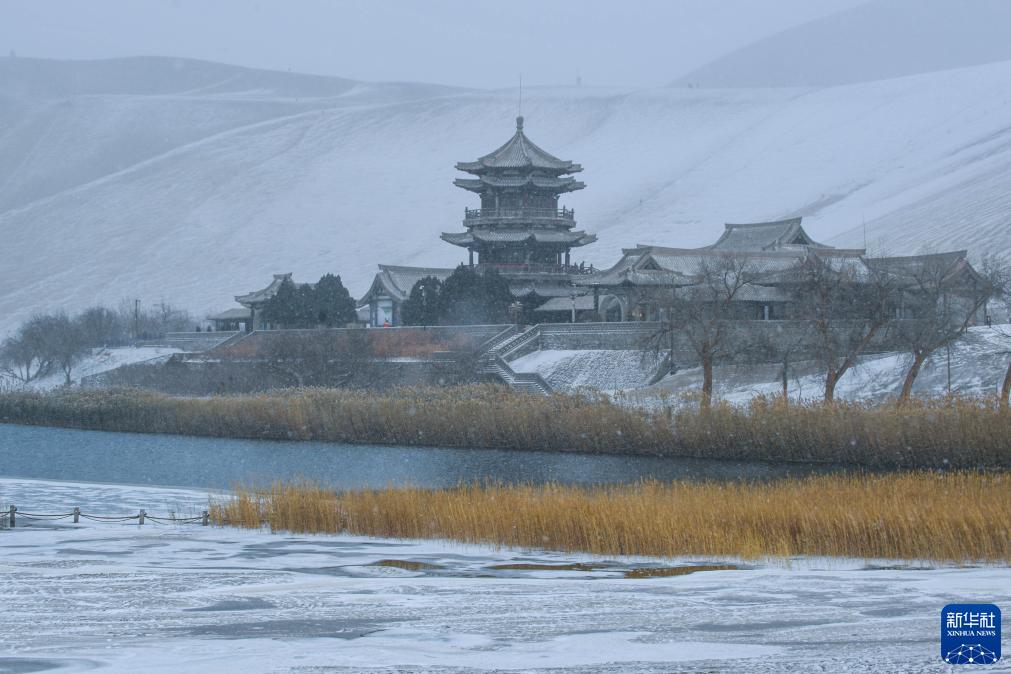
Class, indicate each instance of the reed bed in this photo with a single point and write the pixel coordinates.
(952, 433)
(956, 517)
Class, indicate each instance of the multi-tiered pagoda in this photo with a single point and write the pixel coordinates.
(519, 228)
(519, 231)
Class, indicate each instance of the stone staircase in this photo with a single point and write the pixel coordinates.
(526, 382)
(509, 344)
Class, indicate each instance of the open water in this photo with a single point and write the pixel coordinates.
(216, 463)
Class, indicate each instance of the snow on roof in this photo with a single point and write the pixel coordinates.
(558, 184)
(396, 281)
(759, 236)
(545, 235)
(258, 296)
(583, 303)
(236, 314)
(519, 152)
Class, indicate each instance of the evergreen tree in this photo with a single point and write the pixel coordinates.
(306, 307)
(334, 306)
(281, 309)
(472, 298)
(424, 305)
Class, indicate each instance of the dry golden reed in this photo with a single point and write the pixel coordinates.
(953, 433)
(953, 517)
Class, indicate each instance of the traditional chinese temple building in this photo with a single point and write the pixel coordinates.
(520, 229)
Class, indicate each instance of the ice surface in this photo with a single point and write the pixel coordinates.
(188, 598)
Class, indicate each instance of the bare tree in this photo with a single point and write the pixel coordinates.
(1002, 293)
(27, 355)
(101, 327)
(65, 342)
(849, 305)
(319, 357)
(944, 297)
(701, 309)
(43, 343)
(782, 347)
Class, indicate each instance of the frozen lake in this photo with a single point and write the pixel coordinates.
(216, 463)
(123, 598)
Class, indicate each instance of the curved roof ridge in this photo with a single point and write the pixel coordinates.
(519, 152)
(787, 222)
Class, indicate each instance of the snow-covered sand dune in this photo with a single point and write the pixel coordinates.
(188, 598)
(195, 194)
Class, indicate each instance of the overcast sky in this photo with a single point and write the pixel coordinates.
(479, 43)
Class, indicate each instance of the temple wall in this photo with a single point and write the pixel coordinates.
(182, 376)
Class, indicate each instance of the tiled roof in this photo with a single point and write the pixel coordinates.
(541, 289)
(909, 265)
(778, 235)
(258, 296)
(583, 303)
(488, 235)
(519, 153)
(553, 183)
(655, 265)
(236, 314)
(396, 281)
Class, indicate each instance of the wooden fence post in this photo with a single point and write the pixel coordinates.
(77, 515)
(141, 519)
(13, 510)
(205, 517)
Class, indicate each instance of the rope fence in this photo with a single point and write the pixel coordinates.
(10, 517)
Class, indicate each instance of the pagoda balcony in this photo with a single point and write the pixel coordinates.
(535, 268)
(473, 217)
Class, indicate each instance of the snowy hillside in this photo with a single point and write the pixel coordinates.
(200, 188)
(875, 40)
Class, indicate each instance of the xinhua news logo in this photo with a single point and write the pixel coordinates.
(970, 634)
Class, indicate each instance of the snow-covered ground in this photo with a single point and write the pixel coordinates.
(98, 361)
(568, 370)
(978, 364)
(162, 598)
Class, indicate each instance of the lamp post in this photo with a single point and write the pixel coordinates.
(573, 296)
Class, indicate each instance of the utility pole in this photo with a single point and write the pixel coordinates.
(136, 319)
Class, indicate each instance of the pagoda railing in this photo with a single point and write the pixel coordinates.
(518, 213)
(537, 268)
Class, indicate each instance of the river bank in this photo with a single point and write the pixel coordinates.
(211, 599)
(953, 517)
(943, 434)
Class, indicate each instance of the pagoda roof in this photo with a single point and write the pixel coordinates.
(519, 152)
(554, 183)
(545, 235)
